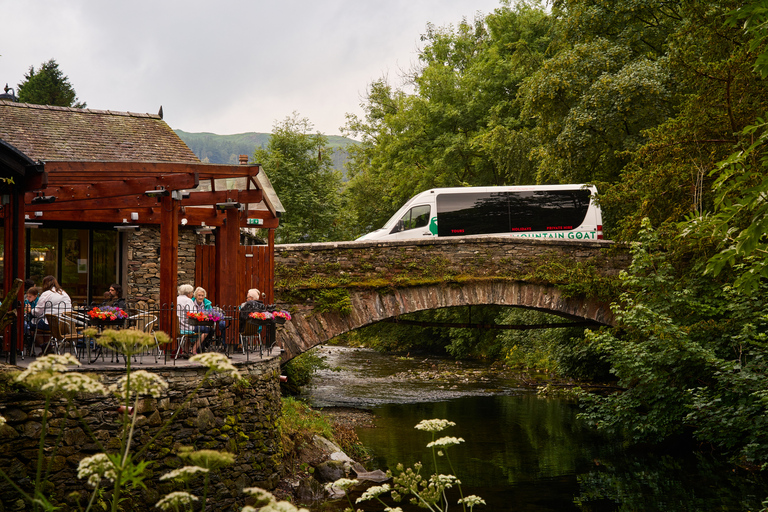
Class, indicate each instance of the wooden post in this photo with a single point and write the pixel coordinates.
(270, 277)
(14, 251)
(169, 265)
(227, 250)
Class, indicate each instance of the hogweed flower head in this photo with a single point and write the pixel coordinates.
(217, 362)
(96, 468)
(2, 421)
(47, 365)
(73, 383)
(373, 492)
(262, 496)
(281, 506)
(184, 474)
(342, 484)
(141, 382)
(434, 425)
(471, 501)
(210, 459)
(445, 442)
(175, 500)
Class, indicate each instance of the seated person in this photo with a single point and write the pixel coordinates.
(114, 297)
(53, 300)
(185, 304)
(30, 301)
(202, 304)
(251, 304)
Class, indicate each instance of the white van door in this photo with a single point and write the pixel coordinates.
(415, 223)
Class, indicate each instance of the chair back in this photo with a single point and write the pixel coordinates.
(55, 326)
(145, 321)
(251, 329)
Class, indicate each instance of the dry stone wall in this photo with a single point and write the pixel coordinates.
(221, 416)
(143, 263)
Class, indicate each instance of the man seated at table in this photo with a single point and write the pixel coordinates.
(251, 304)
(115, 298)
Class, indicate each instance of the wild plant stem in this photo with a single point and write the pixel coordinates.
(41, 448)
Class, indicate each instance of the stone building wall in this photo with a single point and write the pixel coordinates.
(221, 416)
(143, 263)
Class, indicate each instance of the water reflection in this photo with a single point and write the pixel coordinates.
(521, 452)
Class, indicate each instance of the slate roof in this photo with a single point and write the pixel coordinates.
(44, 132)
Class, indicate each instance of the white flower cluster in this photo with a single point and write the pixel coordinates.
(2, 421)
(96, 468)
(141, 382)
(472, 500)
(446, 481)
(49, 363)
(73, 383)
(342, 484)
(260, 494)
(217, 362)
(373, 492)
(185, 473)
(445, 442)
(281, 506)
(176, 500)
(434, 425)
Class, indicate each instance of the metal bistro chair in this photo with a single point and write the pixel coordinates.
(147, 322)
(184, 339)
(63, 332)
(73, 324)
(250, 338)
(30, 339)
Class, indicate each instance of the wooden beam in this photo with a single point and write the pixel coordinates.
(121, 186)
(200, 198)
(98, 203)
(63, 172)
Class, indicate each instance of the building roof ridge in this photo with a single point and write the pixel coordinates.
(78, 110)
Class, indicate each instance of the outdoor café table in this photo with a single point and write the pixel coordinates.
(215, 333)
(101, 325)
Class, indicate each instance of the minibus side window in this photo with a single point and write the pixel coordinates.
(416, 217)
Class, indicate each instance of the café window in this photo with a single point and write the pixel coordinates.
(84, 261)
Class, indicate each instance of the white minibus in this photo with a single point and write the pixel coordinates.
(537, 211)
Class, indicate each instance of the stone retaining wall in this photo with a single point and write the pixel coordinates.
(241, 419)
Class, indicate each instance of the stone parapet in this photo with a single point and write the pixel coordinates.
(241, 419)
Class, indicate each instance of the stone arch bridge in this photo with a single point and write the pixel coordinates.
(333, 288)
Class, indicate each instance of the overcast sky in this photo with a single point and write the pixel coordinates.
(225, 66)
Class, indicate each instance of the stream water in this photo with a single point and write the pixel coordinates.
(521, 452)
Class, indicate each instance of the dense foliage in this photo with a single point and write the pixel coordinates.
(48, 86)
(663, 106)
(298, 163)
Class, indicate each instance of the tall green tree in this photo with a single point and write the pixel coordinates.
(48, 86)
(455, 121)
(299, 165)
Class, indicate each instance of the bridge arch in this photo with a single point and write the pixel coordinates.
(309, 328)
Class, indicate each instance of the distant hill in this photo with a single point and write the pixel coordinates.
(225, 149)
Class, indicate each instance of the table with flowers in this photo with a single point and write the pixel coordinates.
(104, 317)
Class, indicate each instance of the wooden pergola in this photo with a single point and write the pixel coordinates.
(162, 194)
(126, 169)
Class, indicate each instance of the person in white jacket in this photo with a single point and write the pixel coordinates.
(54, 300)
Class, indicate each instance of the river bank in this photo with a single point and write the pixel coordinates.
(524, 450)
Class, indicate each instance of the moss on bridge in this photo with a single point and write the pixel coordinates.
(322, 273)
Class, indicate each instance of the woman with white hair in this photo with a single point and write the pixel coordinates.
(184, 304)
